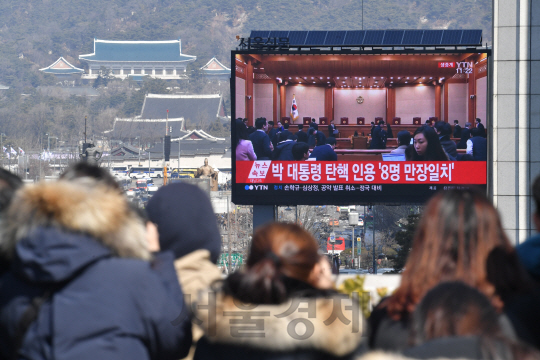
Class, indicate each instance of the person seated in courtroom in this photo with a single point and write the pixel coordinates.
(301, 134)
(477, 145)
(404, 139)
(300, 151)
(326, 151)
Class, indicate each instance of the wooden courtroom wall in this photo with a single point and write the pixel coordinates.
(240, 98)
(481, 100)
(263, 101)
(457, 103)
(345, 104)
(309, 99)
(415, 101)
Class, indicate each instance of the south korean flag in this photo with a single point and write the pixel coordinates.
(294, 110)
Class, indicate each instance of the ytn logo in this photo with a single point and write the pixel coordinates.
(256, 187)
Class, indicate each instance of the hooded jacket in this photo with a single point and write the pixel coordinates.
(82, 243)
(307, 326)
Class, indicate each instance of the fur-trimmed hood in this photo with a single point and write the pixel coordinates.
(79, 207)
(327, 324)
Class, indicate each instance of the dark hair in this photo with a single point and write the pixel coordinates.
(259, 123)
(455, 236)
(443, 128)
(404, 137)
(478, 119)
(300, 126)
(456, 121)
(381, 122)
(331, 140)
(311, 131)
(278, 251)
(456, 310)
(84, 170)
(286, 125)
(453, 309)
(476, 132)
(536, 193)
(434, 150)
(9, 183)
(313, 120)
(299, 149)
(241, 131)
(271, 123)
(355, 133)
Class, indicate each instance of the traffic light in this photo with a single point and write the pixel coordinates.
(167, 147)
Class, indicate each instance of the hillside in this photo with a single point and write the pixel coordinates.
(41, 31)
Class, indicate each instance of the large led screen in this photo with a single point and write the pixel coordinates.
(358, 128)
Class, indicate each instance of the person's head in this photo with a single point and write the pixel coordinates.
(404, 137)
(478, 120)
(286, 126)
(278, 251)
(9, 183)
(456, 122)
(458, 231)
(185, 220)
(453, 309)
(381, 122)
(279, 125)
(82, 170)
(427, 145)
(241, 131)
(475, 132)
(245, 121)
(468, 125)
(205, 161)
(331, 141)
(260, 124)
(313, 120)
(270, 125)
(536, 197)
(300, 151)
(443, 128)
(311, 131)
(372, 123)
(355, 133)
(300, 127)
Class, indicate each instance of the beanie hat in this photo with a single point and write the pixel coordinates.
(185, 220)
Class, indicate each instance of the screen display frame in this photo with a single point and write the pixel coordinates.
(404, 194)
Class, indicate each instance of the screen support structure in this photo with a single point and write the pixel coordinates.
(263, 214)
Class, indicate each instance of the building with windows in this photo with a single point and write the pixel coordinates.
(158, 59)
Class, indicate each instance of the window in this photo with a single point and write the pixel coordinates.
(148, 71)
(170, 71)
(159, 71)
(137, 71)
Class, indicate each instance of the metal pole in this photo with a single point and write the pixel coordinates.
(228, 235)
(353, 254)
(374, 259)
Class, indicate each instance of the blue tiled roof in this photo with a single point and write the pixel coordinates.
(105, 50)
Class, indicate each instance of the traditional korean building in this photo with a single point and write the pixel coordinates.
(216, 70)
(159, 59)
(62, 69)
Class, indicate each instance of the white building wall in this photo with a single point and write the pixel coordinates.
(516, 112)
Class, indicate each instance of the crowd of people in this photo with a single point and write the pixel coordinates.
(83, 275)
(430, 142)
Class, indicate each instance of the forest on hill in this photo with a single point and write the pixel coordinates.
(33, 34)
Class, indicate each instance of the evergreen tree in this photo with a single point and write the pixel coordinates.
(405, 239)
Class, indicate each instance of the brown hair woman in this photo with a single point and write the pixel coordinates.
(283, 303)
(455, 241)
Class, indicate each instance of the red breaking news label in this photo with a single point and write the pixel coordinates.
(351, 172)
